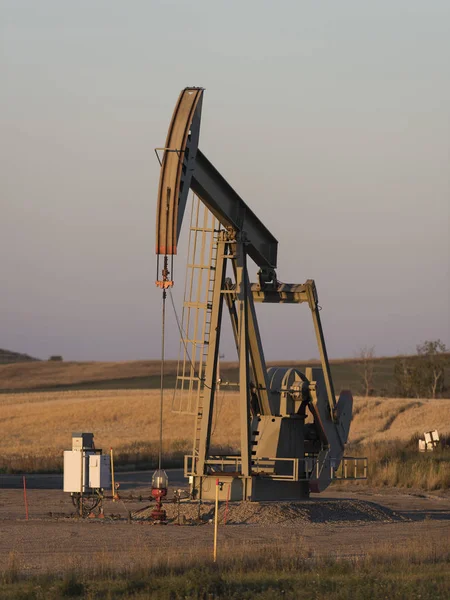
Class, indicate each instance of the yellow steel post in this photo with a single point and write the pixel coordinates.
(216, 520)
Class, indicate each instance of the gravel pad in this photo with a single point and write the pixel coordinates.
(285, 514)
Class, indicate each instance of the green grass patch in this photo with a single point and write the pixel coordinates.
(257, 577)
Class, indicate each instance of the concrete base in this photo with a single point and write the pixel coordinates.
(236, 488)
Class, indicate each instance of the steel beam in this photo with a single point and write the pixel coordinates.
(257, 359)
(244, 379)
(257, 356)
(229, 208)
(283, 293)
(314, 306)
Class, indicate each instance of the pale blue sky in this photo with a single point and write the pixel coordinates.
(331, 119)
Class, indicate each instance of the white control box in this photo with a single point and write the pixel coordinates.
(99, 471)
(84, 471)
(76, 470)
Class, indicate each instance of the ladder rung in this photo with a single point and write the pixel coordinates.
(195, 304)
(199, 266)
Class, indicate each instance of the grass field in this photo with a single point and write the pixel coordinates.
(396, 571)
(48, 375)
(36, 427)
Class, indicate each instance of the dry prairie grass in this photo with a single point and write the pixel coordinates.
(30, 421)
(386, 419)
(36, 427)
(397, 463)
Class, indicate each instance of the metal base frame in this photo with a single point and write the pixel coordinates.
(265, 486)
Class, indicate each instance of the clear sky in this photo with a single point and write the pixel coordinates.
(331, 119)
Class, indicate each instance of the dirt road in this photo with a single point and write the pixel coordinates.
(344, 522)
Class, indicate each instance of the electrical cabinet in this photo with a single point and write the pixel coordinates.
(76, 470)
(99, 471)
(86, 469)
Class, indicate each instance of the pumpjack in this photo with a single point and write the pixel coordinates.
(292, 430)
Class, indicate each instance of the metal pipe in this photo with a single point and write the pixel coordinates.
(216, 520)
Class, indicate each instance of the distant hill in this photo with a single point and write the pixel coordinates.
(30, 375)
(7, 357)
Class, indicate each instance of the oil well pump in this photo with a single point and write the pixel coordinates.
(292, 429)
